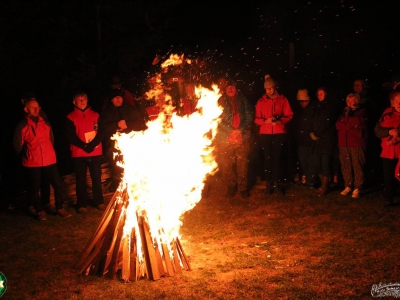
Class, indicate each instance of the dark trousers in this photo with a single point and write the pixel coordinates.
(309, 163)
(390, 183)
(272, 145)
(324, 164)
(34, 182)
(81, 166)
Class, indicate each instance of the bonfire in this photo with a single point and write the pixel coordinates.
(165, 169)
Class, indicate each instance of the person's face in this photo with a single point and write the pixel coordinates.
(117, 101)
(351, 102)
(270, 91)
(231, 91)
(358, 87)
(321, 95)
(304, 103)
(396, 103)
(32, 108)
(81, 102)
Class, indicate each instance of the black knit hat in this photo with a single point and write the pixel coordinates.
(115, 93)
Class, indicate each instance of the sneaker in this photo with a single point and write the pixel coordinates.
(41, 216)
(101, 207)
(346, 191)
(355, 194)
(245, 194)
(63, 213)
(82, 210)
(49, 208)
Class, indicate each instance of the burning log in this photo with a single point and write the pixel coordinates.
(110, 251)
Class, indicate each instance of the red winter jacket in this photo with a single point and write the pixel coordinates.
(277, 107)
(390, 119)
(35, 141)
(352, 130)
(82, 128)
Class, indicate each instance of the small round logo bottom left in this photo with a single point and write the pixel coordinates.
(3, 284)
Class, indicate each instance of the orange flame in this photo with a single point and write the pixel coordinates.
(165, 167)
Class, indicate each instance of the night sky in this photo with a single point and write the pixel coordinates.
(53, 48)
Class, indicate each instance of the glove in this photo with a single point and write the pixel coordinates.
(88, 148)
(313, 136)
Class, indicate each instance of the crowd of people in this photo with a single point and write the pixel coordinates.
(328, 141)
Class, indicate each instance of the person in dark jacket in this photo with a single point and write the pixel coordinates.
(82, 126)
(388, 130)
(233, 139)
(33, 138)
(352, 139)
(324, 133)
(118, 117)
(304, 122)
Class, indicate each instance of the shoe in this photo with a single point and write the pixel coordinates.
(355, 194)
(245, 194)
(82, 210)
(63, 213)
(101, 207)
(49, 208)
(32, 211)
(41, 216)
(346, 191)
(303, 179)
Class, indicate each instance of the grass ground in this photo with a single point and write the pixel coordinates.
(292, 247)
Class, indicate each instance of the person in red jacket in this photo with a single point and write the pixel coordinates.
(388, 130)
(33, 138)
(82, 125)
(273, 112)
(352, 139)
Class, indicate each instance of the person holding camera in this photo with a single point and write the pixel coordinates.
(273, 112)
(352, 139)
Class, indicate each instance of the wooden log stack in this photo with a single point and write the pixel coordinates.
(114, 253)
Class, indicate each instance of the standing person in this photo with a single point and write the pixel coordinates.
(118, 117)
(324, 133)
(82, 125)
(273, 112)
(33, 138)
(233, 140)
(352, 141)
(388, 130)
(118, 84)
(303, 125)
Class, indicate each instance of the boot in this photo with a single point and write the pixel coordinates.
(324, 187)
